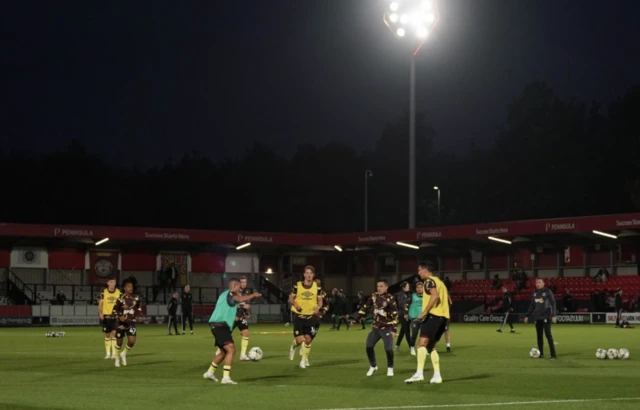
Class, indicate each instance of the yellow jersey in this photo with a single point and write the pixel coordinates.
(307, 297)
(441, 308)
(109, 300)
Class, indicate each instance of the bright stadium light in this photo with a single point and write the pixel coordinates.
(338, 248)
(244, 245)
(418, 18)
(608, 235)
(408, 245)
(493, 238)
(101, 241)
(269, 271)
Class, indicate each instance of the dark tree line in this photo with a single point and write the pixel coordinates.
(550, 158)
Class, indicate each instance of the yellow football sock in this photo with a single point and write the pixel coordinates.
(226, 371)
(294, 344)
(113, 346)
(422, 356)
(306, 349)
(117, 351)
(243, 346)
(107, 345)
(213, 367)
(435, 361)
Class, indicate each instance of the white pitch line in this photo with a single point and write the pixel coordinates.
(506, 403)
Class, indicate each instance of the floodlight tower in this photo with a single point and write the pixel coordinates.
(412, 21)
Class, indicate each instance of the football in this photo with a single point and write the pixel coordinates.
(612, 354)
(534, 353)
(601, 353)
(623, 354)
(255, 354)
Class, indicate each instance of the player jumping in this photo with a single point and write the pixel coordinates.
(221, 322)
(385, 319)
(434, 317)
(306, 303)
(108, 299)
(127, 309)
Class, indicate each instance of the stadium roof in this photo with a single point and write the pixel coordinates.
(574, 229)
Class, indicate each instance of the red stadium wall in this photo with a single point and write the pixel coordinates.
(139, 261)
(5, 258)
(208, 262)
(407, 264)
(66, 259)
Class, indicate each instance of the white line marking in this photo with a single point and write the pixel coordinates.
(507, 403)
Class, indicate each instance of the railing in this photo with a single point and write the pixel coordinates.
(14, 281)
(90, 294)
(271, 292)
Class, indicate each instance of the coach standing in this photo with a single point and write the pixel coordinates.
(543, 311)
(172, 309)
(187, 308)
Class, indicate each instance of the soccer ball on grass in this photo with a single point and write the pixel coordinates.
(534, 353)
(255, 354)
(601, 353)
(623, 354)
(612, 354)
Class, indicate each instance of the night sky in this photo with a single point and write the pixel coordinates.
(139, 82)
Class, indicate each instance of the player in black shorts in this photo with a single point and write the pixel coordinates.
(242, 320)
(318, 318)
(127, 310)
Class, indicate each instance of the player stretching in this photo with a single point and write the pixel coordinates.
(108, 299)
(543, 311)
(221, 322)
(323, 311)
(385, 319)
(306, 303)
(435, 318)
(127, 309)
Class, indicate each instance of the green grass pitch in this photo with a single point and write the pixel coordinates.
(484, 369)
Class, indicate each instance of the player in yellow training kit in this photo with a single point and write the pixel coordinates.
(435, 319)
(108, 299)
(306, 303)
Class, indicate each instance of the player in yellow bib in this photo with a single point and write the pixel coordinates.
(435, 319)
(108, 299)
(306, 302)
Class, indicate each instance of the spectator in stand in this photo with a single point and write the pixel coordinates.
(618, 305)
(496, 284)
(602, 275)
(523, 280)
(552, 287)
(567, 301)
(448, 283)
(60, 297)
(637, 307)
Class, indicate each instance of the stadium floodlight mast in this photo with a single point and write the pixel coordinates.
(412, 21)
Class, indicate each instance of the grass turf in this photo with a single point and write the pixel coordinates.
(166, 372)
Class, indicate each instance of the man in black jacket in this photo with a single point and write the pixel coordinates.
(403, 299)
(543, 311)
(172, 308)
(187, 308)
(508, 309)
(618, 302)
